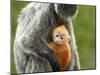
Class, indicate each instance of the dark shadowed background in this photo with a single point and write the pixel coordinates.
(85, 32)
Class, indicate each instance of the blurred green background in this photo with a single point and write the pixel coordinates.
(85, 33)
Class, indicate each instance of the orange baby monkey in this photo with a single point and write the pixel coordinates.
(61, 46)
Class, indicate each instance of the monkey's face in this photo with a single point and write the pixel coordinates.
(60, 38)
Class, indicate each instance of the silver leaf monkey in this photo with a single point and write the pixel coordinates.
(35, 24)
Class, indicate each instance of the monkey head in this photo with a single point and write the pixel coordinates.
(66, 11)
(60, 35)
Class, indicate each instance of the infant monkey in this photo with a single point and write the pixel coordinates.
(61, 46)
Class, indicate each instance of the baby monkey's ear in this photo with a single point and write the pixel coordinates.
(68, 38)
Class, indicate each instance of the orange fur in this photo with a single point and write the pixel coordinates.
(63, 51)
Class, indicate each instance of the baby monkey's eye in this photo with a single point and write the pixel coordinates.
(56, 35)
(61, 38)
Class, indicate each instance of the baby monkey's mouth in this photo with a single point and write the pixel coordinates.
(59, 42)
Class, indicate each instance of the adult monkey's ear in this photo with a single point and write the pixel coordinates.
(66, 10)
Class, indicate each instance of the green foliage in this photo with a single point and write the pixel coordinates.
(85, 32)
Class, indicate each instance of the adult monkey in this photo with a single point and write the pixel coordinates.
(35, 24)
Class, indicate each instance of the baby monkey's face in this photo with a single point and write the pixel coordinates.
(60, 38)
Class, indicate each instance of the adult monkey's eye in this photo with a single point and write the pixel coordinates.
(56, 35)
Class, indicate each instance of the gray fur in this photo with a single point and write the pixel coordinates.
(35, 24)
